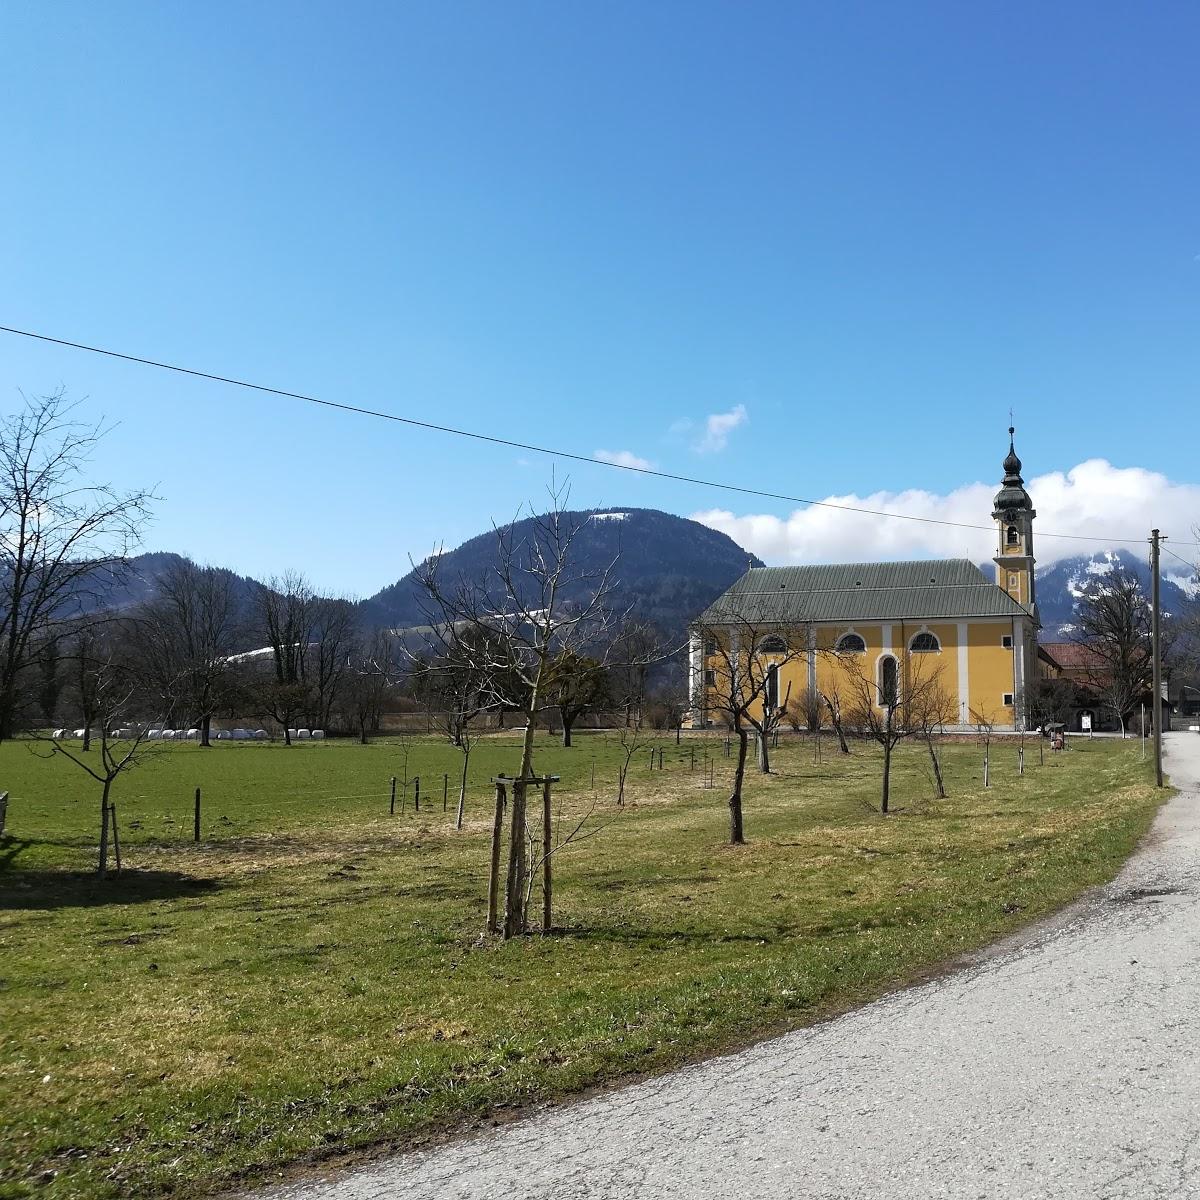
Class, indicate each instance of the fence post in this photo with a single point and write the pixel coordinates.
(392, 809)
(445, 790)
(593, 772)
(1021, 759)
(196, 819)
(3, 811)
(416, 793)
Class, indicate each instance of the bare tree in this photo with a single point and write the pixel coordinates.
(635, 647)
(189, 631)
(373, 671)
(931, 707)
(808, 709)
(326, 665)
(116, 696)
(743, 683)
(460, 688)
(883, 708)
(1114, 626)
(89, 652)
(833, 702)
(534, 606)
(631, 742)
(59, 533)
(985, 726)
(286, 610)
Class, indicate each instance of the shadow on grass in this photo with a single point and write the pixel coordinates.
(50, 889)
(665, 937)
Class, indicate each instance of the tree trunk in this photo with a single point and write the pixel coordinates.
(514, 890)
(87, 738)
(887, 772)
(566, 724)
(835, 719)
(937, 770)
(737, 836)
(206, 730)
(102, 866)
(493, 922)
(764, 754)
(7, 710)
(462, 792)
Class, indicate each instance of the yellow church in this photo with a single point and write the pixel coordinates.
(888, 623)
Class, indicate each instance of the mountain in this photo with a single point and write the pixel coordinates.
(1060, 585)
(667, 570)
(141, 581)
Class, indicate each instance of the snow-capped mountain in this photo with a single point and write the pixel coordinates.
(1060, 585)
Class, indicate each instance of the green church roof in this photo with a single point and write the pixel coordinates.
(929, 590)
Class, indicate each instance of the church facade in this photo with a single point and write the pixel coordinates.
(886, 623)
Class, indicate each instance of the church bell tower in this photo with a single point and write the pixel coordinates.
(1013, 514)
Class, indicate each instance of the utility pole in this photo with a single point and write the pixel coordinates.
(1156, 650)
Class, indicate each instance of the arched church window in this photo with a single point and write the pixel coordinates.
(888, 681)
(772, 645)
(925, 643)
(772, 697)
(850, 643)
(1014, 538)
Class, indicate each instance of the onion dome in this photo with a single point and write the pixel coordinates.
(1012, 494)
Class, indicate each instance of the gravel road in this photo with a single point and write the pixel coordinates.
(1062, 1064)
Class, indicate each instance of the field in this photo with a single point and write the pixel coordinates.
(311, 976)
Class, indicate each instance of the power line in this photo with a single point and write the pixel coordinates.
(550, 452)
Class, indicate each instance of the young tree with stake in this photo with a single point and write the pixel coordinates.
(534, 606)
(117, 694)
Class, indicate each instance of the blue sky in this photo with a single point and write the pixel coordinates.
(868, 229)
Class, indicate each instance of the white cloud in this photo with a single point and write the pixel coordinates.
(718, 427)
(623, 458)
(1093, 499)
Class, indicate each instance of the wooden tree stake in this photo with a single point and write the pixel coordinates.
(493, 921)
(547, 861)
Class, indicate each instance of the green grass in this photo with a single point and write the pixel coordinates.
(311, 976)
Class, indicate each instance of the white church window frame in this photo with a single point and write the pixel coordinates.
(925, 637)
(841, 646)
